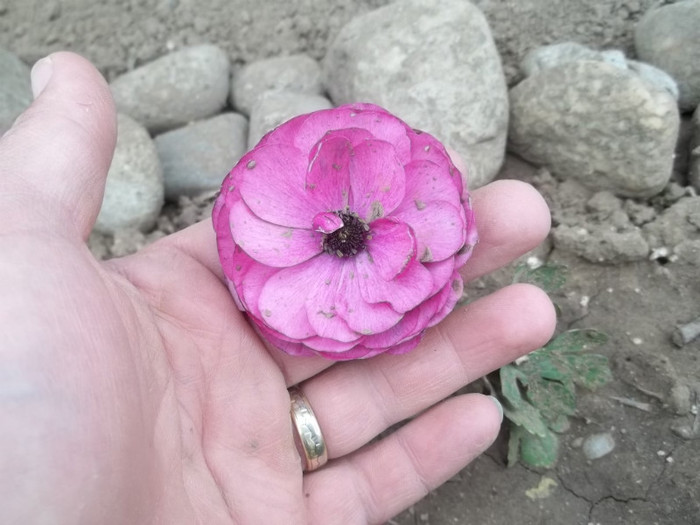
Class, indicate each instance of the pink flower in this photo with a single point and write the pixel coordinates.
(341, 233)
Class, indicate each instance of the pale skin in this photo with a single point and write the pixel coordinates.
(133, 391)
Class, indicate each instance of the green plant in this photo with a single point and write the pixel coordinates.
(539, 393)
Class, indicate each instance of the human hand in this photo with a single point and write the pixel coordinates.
(134, 391)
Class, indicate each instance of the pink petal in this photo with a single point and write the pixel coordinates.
(342, 296)
(282, 300)
(288, 347)
(439, 228)
(328, 176)
(248, 277)
(357, 352)
(426, 147)
(405, 346)
(454, 293)
(327, 222)
(377, 180)
(427, 181)
(381, 124)
(403, 293)
(324, 344)
(391, 246)
(441, 272)
(271, 244)
(272, 182)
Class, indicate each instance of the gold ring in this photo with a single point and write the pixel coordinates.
(308, 438)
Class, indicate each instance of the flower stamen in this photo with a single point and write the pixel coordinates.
(349, 239)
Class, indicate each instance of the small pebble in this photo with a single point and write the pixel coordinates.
(598, 445)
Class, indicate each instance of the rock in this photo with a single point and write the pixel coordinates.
(598, 445)
(602, 244)
(546, 57)
(679, 399)
(296, 73)
(598, 123)
(15, 89)
(190, 84)
(676, 225)
(197, 157)
(275, 107)
(694, 163)
(134, 192)
(669, 38)
(434, 65)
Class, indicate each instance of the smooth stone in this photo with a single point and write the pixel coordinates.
(15, 89)
(296, 73)
(694, 163)
(275, 107)
(134, 191)
(186, 85)
(669, 38)
(597, 123)
(435, 66)
(598, 445)
(197, 157)
(546, 57)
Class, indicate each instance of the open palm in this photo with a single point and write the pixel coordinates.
(133, 391)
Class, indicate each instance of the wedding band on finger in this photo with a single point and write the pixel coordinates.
(308, 437)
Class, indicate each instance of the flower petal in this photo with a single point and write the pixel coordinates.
(426, 147)
(357, 352)
(441, 272)
(343, 295)
(427, 181)
(454, 293)
(377, 121)
(282, 302)
(272, 182)
(271, 244)
(403, 293)
(328, 173)
(327, 222)
(377, 180)
(391, 246)
(288, 347)
(439, 228)
(405, 346)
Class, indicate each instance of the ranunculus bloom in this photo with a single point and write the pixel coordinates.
(341, 233)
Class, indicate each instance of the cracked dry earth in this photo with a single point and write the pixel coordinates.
(653, 474)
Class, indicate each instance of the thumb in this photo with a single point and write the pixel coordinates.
(54, 160)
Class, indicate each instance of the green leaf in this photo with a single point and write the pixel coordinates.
(575, 341)
(591, 370)
(548, 366)
(549, 276)
(552, 398)
(527, 417)
(539, 451)
(559, 424)
(509, 384)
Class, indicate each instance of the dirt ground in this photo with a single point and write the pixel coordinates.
(653, 474)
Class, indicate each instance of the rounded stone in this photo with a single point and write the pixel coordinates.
(15, 89)
(598, 445)
(186, 85)
(669, 38)
(694, 163)
(296, 73)
(435, 66)
(597, 123)
(275, 107)
(197, 157)
(134, 191)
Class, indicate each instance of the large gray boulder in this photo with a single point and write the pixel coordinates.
(669, 37)
(15, 89)
(694, 164)
(598, 123)
(134, 191)
(434, 65)
(190, 84)
(197, 157)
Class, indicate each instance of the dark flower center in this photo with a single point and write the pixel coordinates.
(349, 239)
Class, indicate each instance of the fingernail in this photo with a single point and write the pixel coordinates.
(41, 74)
(498, 404)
